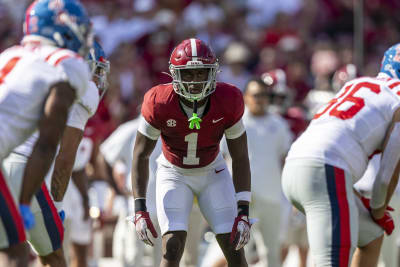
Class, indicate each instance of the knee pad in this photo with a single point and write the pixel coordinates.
(174, 249)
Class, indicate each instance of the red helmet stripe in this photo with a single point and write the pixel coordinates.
(27, 15)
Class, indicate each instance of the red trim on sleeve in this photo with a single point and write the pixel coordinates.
(393, 85)
(58, 61)
(53, 53)
(7, 68)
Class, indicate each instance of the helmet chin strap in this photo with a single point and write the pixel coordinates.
(194, 121)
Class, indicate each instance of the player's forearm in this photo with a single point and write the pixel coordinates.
(80, 180)
(241, 174)
(51, 128)
(381, 190)
(143, 148)
(240, 167)
(36, 169)
(140, 174)
(60, 179)
(388, 173)
(392, 185)
(104, 171)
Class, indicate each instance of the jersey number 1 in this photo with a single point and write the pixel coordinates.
(357, 102)
(191, 158)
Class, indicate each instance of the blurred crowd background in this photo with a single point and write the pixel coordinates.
(312, 41)
(308, 39)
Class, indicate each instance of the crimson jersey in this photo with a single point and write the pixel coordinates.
(191, 148)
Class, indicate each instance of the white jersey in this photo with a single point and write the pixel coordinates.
(26, 76)
(78, 116)
(119, 146)
(268, 140)
(83, 154)
(352, 126)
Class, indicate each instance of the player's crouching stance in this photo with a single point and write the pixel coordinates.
(46, 236)
(332, 154)
(36, 93)
(192, 114)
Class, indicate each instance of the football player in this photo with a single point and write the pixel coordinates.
(47, 234)
(192, 114)
(389, 249)
(333, 153)
(267, 131)
(80, 227)
(39, 79)
(118, 148)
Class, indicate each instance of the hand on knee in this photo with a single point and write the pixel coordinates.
(56, 258)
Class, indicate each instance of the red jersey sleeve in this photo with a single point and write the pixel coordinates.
(149, 108)
(236, 107)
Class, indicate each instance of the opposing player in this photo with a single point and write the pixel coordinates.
(192, 114)
(118, 148)
(46, 236)
(37, 92)
(333, 153)
(80, 227)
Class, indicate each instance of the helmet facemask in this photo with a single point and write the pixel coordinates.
(99, 66)
(191, 55)
(100, 70)
(183, 88)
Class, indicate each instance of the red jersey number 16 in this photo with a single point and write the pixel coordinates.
(348, 96)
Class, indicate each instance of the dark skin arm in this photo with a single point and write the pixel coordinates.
(144, 146)
(104, 170)
(80, 179)
(240, 164)
(379, 213)
(51, 127)
(65, 162)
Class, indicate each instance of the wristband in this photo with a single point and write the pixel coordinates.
(244, 195)
(140, 204)
(243, 210)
